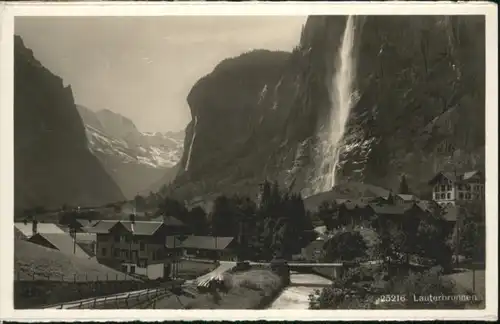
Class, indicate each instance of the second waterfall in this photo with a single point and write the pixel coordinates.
(342, 99)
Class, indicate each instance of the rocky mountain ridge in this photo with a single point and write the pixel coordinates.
(136, 160)
(420, 109)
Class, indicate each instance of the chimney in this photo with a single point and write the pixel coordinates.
(132, 221)
(34, 227)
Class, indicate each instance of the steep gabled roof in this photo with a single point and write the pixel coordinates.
(456, 178)
(141, 227)
(448, 175)
(207, 242)
(470, 174)
(102, 227)
(407, 197)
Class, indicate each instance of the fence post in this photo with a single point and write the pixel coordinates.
(473, 279)
(95, 302)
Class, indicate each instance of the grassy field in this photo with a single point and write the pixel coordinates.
(34, 262)
(245, 290)
(191, 269)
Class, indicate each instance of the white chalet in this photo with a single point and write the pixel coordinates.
(450, 188)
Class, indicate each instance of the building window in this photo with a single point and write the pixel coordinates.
(116, 253)
(443, 196)
(124, 268)
(443, 187)
(142, 246)
(117, 238)
(467, 187)
(132, 269)
(467, 196)
(128, 239)
(103, 251)
(476, 196)
(436, 189)
(449, 187)
(436, 196)
(448, 195)
(460, 187)
(461, 195)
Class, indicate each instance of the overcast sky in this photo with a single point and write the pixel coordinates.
(144, 67)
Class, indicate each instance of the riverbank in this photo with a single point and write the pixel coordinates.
(296, 295)
(252, 289)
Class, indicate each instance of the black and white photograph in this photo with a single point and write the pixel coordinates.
(275, 162)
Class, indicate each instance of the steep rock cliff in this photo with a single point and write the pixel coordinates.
(420, 108)
(53, 165)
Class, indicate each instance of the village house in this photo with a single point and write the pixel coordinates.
(451, 188)
(210, 247)
(397, 216)
(139, 247)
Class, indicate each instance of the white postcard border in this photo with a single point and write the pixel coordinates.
(9, 10)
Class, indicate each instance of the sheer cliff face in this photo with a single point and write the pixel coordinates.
(53, 165)
(420, 84)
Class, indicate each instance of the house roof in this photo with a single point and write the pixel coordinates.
(85, 237)
(86, 222)
(458, 177)
(101, 227)
(64, 243)
(172, 242)
(169, 220)
(47, 228)
(141, 227)
(390, 209)
(407, 197)
(468, 175)
(207, 242)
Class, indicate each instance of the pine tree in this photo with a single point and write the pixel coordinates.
(403, 186)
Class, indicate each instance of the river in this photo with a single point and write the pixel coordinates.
(296, 296)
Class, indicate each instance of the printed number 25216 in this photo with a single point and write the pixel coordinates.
(393, 298)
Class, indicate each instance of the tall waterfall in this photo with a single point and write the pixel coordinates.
(341, 101)
(191, 144)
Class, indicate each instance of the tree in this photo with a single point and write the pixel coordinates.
(328, 212)
(403, 186)
(345, 246)
(432, 238)
(172, 207)
(140, 203)
(471, 233)
(197, 221)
